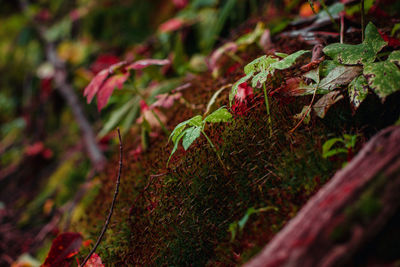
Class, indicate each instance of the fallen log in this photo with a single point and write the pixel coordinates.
(349, 211)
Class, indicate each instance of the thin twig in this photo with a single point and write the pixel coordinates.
(112, 204)
(308, 109)
(341, 27)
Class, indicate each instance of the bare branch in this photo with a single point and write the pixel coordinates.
(112, 204)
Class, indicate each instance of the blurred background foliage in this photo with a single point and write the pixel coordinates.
(41, 149)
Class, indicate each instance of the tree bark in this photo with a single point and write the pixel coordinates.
(350, 210)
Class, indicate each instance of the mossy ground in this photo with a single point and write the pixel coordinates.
(180, 215)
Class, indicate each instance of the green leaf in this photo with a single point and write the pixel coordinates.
(176, 143)
(233, 230)
(313, 75)
(214, 98)
(236, 85)
(358, 91)
(335, 151)
(117, 115)
(334, 10)
(250, 38)
(395, 57)
(288, 61)
(195, 121)
(383, 78)
(326, 147)
(254, 65)
(190, 135)
(357, 54)
(282, 55)
(327, 66)
(246, 217)
(341, 75)
(260, 64)
(350, 140)
(220, 115)
(259, 79)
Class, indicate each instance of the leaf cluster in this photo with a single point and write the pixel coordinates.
(192, 128)
(260, 68)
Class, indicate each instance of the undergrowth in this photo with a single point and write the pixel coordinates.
(181, 215)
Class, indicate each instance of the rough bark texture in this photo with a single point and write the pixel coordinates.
(350, 210)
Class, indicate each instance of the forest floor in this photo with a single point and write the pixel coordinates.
(218, 209)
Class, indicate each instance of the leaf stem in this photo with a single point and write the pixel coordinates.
(215, 150)
(362, 20)
(268, 112)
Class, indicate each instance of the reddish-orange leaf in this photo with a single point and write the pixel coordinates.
(306, 10)
(115, 81)
(171, 25)
(141, 64)
(63, 248)
(94, 86)
(94, 261)
(166, 100)
(180, 3)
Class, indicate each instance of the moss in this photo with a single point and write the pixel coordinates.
(183, 215)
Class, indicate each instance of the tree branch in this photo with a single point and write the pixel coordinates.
(112, 204)
(60, 78)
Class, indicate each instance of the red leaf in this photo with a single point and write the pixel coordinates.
(94, 261)
(103, 62)
(242, 99)
(244, 92)
(34, 149)
(215, 57)
(141, 64)
(171, 25)
(392, 42)
(180, 3)
(143, 106)
(166, 100)
(63, 248)
(115, 81)
(94, 86)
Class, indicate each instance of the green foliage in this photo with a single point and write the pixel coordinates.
(383, 78)
(358, 90)
(260, 68)
(238, 226)
(357, 54)
(348, 141)
(197, 124)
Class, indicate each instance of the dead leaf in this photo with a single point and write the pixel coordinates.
(324, 103)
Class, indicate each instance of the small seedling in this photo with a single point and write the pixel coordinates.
(191, 129)
(259, 70)
(348, 141)
(238, 226)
